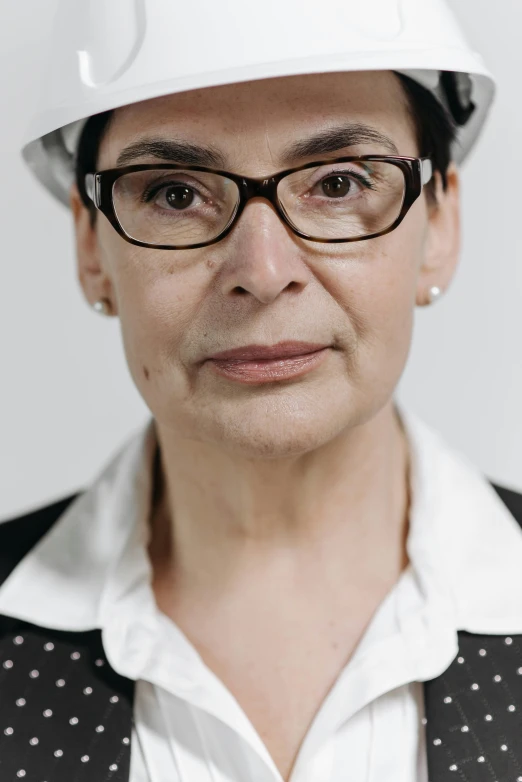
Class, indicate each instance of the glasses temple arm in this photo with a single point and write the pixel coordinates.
(90, 188)
(426, 170)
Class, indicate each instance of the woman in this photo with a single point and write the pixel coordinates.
(268, 579)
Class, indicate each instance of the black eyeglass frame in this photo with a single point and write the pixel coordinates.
(99, 185)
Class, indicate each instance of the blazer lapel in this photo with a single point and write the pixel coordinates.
(474, 712)
(65, 714)
(474, 709)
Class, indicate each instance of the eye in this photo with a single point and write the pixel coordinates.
(179, 196)
(173, 195)
(342, 182)
(338, 185)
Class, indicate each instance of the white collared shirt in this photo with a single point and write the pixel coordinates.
(92, 571)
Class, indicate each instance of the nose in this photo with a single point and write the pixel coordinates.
(263, 258)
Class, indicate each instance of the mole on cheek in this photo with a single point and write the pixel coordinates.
(146, 373)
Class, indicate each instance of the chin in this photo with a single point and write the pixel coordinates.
(274, 429)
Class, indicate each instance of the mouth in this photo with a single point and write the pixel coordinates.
(255, 364)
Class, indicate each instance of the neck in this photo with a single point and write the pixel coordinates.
(339, 513)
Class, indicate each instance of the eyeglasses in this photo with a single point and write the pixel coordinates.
(175, 207)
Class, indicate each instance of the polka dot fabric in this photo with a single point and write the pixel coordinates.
(474, 713)
(65, 715)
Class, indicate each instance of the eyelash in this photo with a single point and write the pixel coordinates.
(151, 191)
(354, 174)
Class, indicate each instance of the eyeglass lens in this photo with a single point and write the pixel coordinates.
(333, 201)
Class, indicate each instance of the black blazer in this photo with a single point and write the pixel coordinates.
(82, 732)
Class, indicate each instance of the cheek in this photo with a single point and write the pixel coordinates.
(376, 286)
(388, 273)
(158, 304)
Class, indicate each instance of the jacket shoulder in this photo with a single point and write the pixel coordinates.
(18, 535)
(512, 499)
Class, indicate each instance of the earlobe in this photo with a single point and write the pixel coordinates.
(442, 248)
(93, 279)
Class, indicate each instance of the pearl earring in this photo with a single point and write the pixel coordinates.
(102, 306)
(434, 294)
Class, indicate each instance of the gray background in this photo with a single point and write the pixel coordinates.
(68, 401)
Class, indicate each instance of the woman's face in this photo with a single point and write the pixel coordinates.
(262, 284)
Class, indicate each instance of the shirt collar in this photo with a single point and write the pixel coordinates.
(461, 536)
(60, 584)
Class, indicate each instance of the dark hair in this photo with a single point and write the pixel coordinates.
(87, 156)
(435, 131)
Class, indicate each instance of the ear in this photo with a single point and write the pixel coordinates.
(442, 248)
(94, 279)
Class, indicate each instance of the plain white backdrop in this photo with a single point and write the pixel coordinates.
(67, 400)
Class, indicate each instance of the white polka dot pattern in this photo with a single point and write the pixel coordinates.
(73, 720)
(474, 713)
(64, 713)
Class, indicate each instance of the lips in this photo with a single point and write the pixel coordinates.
(267, 352)
(258, 364)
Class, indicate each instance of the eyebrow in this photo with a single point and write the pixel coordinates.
(336, 139)
(173, 151)
(330, 140)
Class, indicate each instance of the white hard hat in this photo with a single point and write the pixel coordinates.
(110, 53)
